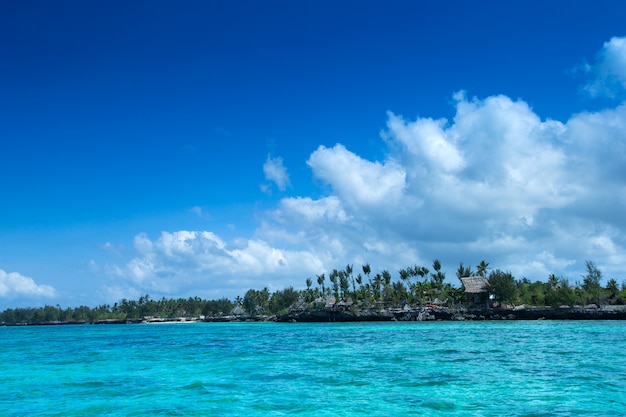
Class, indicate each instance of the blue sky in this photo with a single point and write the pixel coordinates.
(208, 147)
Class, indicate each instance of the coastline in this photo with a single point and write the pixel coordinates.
(590, 312)
(426, 313)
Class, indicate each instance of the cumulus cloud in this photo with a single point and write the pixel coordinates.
(608, 74)
(357, 182)
(426, 140)
(13, 284)
(275, 172)
(184, 260)
(322, 211)
(496, 182)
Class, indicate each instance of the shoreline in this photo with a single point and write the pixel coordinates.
(590, 312)
(427, 313)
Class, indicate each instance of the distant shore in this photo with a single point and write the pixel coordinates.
(428, 313)
(589, 312)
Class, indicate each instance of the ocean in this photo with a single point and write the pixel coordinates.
(503, 368)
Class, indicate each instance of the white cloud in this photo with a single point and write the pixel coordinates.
(13, 284)
(609, 72)
(324, 210)
(118, 293)
(358, 182)
(184, 261)
(427, 141)
(199, 211)
(495, 182)
(276, 172)
(597, 149)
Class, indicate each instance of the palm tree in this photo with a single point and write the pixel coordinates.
(404, 274)
(344, 284)
(359, 280)
(463, 271)
(334, 275)
(386, 277)
(378, 280)
(367, 270)
(349, 271)
(438, 277)
(482, 268)
(422, 271)
(553, 281)
(309, 282)
(320, 282)
(420, 289)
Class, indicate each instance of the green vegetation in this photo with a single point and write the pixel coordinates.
(415, 285)
(125, 309)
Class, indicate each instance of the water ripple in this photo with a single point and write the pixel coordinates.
(384, 369)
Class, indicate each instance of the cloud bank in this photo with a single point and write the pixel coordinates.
(201, 262)
(13, 284)
(495, 182)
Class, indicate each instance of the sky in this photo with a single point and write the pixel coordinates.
(203, 148)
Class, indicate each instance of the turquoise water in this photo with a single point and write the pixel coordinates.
(542, 368)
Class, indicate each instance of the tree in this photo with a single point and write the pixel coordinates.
(376, 284)
(502, 286)
(553, 281)
(282, 300)
(591, 281)
(463, 271)
(386, 284)
(422, 271)
(404, 274)
(438, 277)
(611, 287)
(334, 275)
(359, 280)
(349, 275)
(420, 289)
(481, 268)
(344, 284)
(320, 282)
(398, 292)
(256, 302)
(567, 295)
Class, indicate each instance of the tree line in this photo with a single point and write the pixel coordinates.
(416, 285)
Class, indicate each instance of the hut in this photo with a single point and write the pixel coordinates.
(477, 286)
(237, 311)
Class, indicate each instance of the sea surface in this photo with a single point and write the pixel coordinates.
(539, 368)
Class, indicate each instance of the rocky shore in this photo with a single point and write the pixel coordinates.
(425, 313)
(590, 312)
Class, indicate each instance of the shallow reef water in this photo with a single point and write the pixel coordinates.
(511, 368)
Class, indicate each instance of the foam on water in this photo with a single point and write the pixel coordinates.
(543, 368)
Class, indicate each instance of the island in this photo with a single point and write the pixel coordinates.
(345, 295)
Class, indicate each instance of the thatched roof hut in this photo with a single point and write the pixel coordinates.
(237, 311)
(475, 285)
